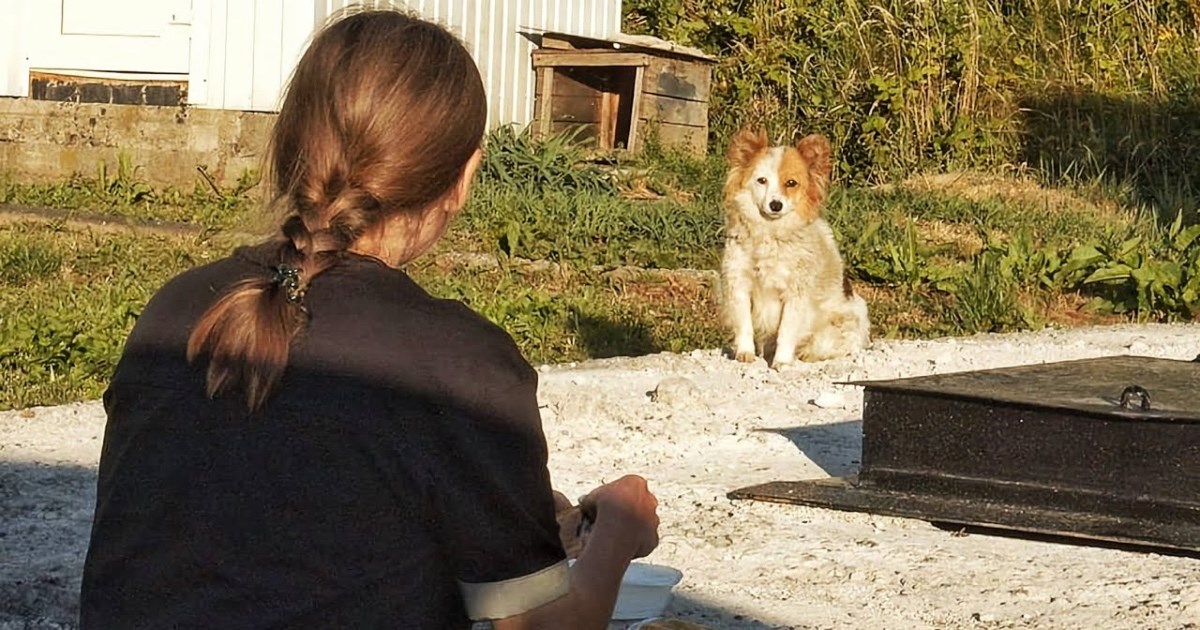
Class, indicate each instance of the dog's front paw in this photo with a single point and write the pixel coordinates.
(745, 356)
(782, 364)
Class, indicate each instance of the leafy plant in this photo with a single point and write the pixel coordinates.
(1135, 275)
(1019, 259)
(986, 298)
(22, 261)
(516, 160)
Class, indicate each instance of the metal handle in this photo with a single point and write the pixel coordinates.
(1128, 393)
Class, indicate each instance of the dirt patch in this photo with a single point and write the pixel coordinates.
(80, 220)
(964, 239)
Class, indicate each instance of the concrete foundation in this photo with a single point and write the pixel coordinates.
(50, 141)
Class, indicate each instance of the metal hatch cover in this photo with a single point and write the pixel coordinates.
(1098, 449)
(1087, 386)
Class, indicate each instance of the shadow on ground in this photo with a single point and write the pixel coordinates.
(45, 521)
(603, 338)
(836, 448)
(711, 615)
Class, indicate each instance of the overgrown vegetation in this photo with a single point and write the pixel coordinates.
(579, 259)
(545, 201)
(1001, 165)
(1082, 90)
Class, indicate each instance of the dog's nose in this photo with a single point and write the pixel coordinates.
(776, 205)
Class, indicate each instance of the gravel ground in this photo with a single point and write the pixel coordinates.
(699, 425)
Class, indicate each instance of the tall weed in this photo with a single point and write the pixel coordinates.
(902, 86)
(544, 199)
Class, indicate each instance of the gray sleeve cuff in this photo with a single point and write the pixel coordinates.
(497, 600)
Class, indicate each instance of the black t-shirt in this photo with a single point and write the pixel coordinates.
(396, 479)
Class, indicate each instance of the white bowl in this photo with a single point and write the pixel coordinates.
(645, 591)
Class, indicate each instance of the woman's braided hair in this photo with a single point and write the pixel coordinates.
(380, 118)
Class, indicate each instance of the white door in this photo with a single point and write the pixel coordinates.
(129, 36)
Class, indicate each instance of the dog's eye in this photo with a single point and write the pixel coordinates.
(761, 180)
(791, 183)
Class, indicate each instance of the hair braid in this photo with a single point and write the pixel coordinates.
(381, 115)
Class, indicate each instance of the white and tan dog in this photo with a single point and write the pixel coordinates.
(783, 281)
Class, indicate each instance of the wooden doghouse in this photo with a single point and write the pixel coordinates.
(614, 91)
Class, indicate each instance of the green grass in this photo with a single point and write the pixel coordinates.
(547, 201)
(562, 314)
(124, 194)
(68, 298)
(946, 256)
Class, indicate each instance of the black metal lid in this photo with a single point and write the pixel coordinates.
(1128, 387)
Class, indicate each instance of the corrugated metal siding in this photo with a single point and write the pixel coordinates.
(504, 50)
(244, 50)
(500, 35)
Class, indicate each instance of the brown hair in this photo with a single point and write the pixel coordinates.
(381, 117)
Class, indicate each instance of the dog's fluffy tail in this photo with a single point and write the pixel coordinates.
(846, 329)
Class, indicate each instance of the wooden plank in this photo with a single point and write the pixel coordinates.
(538, 99)
(589, 109)
(579, 81)
(635, 113)
(267, 57)
(551, 42)
(678, 79)
(610, 107)
(676, 111)
(547, 102)
(216, 54)
(588, 58)
(239, 55)
(201, 32)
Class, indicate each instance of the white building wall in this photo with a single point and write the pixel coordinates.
(14, 61)
(241, 52)
(244, 50)
(499, 34)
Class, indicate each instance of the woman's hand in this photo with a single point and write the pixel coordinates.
(628, 508)
(625, 516)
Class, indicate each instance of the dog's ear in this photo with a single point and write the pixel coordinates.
(744, 145)
(817, 152)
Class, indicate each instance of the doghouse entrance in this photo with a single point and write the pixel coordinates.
(614, 92)
(597, 103)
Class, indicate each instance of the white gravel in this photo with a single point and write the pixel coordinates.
(699, 425)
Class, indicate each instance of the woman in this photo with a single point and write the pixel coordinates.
(299, 436)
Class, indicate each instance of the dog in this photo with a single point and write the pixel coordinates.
(783, 281)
